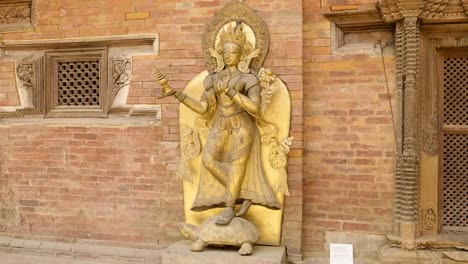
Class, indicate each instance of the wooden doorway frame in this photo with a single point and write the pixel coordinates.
(437, 41)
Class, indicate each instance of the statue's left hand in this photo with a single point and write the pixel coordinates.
(222, 82)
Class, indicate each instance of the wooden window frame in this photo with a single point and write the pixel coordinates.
(52, 58)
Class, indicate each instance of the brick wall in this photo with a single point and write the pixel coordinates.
(348, 135)
(8, 92)
(118, 183)
(90, 182)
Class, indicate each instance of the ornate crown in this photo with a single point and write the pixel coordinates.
(232, 34)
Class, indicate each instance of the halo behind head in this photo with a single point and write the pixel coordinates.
(239, 18)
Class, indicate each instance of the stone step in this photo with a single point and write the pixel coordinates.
(179, 253)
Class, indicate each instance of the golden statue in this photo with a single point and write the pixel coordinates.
(232, 169)
(226, 132)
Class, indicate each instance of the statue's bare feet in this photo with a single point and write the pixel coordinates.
(226, 216)
(246, 249)
(244, 207)
(197, 246)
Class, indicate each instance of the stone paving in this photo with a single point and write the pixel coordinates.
(21, 251)
(14, 258)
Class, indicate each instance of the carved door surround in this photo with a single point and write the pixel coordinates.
(422, 30)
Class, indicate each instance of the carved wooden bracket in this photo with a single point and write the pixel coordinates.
(437, 11)
(364, 18)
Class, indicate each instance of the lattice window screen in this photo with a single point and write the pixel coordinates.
(456, 91)
(78, 83)
(455, 143)
(455, 189)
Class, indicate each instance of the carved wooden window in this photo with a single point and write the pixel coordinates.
(76, 83)
(453, 70)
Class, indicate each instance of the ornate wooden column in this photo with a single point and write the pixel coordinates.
(407, 46)
(407, 170)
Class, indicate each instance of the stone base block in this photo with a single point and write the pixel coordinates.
(392, 255)
(179, 253)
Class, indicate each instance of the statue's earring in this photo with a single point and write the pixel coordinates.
(243, 66)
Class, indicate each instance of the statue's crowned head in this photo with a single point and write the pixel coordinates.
(235, 37)
(232, 35)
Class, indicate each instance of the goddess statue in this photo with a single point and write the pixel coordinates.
(234, 137)
(232, 171)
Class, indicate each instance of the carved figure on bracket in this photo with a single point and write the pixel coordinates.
(121, 73)
(243, 159)
(25, 75)
(121, 76)
(27, 71)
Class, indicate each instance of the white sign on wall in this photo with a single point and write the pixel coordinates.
(341, 253)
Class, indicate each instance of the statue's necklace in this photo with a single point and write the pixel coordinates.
(235, 75)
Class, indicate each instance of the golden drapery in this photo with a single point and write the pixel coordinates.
(267, 221)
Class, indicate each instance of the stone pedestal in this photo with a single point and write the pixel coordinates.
(179, 253)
